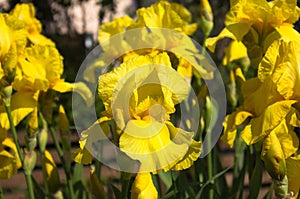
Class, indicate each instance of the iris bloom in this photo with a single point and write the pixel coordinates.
(25, 12)
(146, 36)
(271, 100)
(165, 15)
(39, 69)
(12, 43)
(257, 24)
(144, 133)
(268, 98)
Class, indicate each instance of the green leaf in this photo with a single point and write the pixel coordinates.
(210, 181)
(38, 191)
(80, 191)
(166, 178)
(256, 177)
(116, 191)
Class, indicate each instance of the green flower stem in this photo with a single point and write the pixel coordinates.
(61, 156)
(208, 133)
(98, 168)
(209, 165)
(1, 193)
(20, 153)
(44, 176)
(29, 186)
(204, 45)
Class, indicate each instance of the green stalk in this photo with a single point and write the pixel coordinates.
(203, 45)
(208, 133)
(44, 175)
(1, 193)
(209, 165)
(98, 168)
(15, 138)
(61, 156)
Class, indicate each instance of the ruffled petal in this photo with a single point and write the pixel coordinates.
(165, 15)
(22, 103)
(287, 137)
(52, 176)
(261, 126)
(40, 68)
(118, 25)
(180, 136)
(9, 161)
(231, 123)
(235, 51)
(150, 143)
(234, 31)
(98, 131)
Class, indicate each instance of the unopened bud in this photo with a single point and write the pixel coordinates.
(208, 113)
(273, 157)
(96, 185)
(206, 19)
(30, 142)
(231, 88)
(281, 188)
(6, 94)
(58, 195)
(32, 124)
(63, 122)
(29, 162)
(43, 139)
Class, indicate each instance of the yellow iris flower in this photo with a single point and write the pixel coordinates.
(257, 24)
(26, 14)
(40, 69)
(149, 89)
(29, 69)
(116, 26)
(165, 15)
(12, 43)
(270, 97)
(159, 145)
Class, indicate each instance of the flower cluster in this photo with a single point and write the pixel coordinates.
(268, 115)
(30, 69)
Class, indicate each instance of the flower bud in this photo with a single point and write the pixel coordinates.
(6, 93)
(273, 157)
(96, 186)
(206, 19)
(29, 162)
(63, 123)
(32, 124)
(43, 139)
(208, 115)
(281, 188)
(30, 142)
(231, 89)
